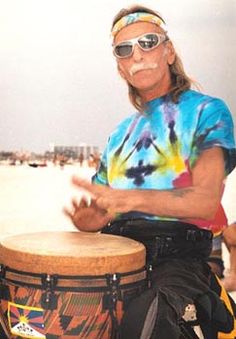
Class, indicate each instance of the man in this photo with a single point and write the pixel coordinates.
(161, 176)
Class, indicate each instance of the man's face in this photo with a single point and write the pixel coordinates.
(147, 71)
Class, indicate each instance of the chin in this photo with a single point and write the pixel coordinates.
(145, 86)
(143, 80)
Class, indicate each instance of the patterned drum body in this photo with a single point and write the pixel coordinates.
(68, 284)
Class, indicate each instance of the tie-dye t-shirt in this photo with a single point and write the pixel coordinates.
(157, 150)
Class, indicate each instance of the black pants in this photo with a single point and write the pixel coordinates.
(178, 253)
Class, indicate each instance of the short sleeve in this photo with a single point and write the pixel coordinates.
(100, 177)
(215, 128)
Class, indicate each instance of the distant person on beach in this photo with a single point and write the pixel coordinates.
(94, 160)
(160, 181)
(81, 159)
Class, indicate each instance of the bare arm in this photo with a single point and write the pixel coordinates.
(230, 235)
(197, 201)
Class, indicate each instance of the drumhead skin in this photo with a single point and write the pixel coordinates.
(71, 253)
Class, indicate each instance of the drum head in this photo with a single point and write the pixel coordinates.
(71, 253)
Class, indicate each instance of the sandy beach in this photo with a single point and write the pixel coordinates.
(32, 199)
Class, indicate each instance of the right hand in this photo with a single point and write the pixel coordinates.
(87, 217)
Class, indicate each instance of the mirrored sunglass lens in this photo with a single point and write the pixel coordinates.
(123, 50)
(148, 41)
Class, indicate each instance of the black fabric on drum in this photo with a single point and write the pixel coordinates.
(217, 288)
(135, 315)
(177, 283)
(165, 239)
(178, 252)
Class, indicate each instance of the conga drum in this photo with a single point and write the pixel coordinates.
(68, 284)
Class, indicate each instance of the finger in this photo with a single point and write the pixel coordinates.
(86, 185)
(84, 201)
(77, 205)
(68, 212)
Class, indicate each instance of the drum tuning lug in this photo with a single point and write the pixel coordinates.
(113, 280)
(49, 281)
(49, 300)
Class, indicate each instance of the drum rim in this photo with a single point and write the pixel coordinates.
(101, 262)
(78, 283)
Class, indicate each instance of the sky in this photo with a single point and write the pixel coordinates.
(58, 79)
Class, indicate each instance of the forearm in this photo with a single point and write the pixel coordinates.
(181, 203)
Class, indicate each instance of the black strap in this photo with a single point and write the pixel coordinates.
(148, 229)
(165, 238)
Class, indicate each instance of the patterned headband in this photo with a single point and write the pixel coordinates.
(136, 17)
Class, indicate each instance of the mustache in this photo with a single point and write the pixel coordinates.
(143, 66)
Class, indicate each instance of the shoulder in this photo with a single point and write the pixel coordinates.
(204, 100)
(198, 97)
(206, 106)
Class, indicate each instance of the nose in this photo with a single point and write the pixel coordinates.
(137, 53)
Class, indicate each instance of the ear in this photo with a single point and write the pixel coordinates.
(170, 53)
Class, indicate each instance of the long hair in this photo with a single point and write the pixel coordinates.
(180, 82)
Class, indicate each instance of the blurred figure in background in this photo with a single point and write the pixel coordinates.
(229, 235)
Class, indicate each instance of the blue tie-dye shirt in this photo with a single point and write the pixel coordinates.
(157, 150)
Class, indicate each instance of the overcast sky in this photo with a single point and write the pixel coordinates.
(58, 77)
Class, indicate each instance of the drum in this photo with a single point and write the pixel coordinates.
(68, 284)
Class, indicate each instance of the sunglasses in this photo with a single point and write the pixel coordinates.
(146, 42)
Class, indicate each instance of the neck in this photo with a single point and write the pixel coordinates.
(157, 91)
(150, 95)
